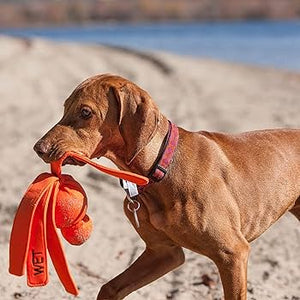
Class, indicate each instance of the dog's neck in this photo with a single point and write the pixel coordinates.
(146, 158)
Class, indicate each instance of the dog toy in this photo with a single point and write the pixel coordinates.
(53, 200)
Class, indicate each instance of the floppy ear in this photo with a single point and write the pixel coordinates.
(138, 118)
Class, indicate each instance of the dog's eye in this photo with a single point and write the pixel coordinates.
(85, 112)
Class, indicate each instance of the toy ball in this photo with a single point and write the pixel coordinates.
(78, 233)
(71, 202)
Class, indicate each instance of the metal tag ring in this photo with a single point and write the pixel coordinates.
(133, 202)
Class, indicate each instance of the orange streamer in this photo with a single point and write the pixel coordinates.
(34, 229)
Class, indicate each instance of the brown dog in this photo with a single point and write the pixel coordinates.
(221, 191)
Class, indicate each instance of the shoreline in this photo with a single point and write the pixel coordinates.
(152, 54)
(114, 22)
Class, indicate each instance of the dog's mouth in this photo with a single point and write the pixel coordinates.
(72, 161)
(58, 153)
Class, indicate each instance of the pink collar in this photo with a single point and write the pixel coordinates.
(165, 157)
(161, 164)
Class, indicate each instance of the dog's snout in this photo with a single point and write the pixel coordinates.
(41, 148)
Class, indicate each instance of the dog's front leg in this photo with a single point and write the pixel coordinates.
(232, 264)
(152, 264)
(160, 256)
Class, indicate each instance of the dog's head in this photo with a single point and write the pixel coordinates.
(105, 115)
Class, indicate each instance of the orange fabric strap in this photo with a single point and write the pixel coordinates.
(56, 250)
(37, 267)
(21, 230)
(136, 178)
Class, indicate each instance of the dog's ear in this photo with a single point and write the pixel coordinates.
(138, 118)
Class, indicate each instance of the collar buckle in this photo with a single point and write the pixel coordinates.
(133, 204)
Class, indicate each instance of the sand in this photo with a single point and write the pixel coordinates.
(35, 78)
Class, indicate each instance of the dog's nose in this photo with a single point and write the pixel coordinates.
(41, 148)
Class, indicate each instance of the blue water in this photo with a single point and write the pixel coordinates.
(275, 44)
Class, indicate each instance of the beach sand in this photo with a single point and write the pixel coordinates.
(36, 77)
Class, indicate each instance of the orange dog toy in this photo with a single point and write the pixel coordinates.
(53, 200)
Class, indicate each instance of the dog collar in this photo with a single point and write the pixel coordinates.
(165, 157)
(157, 173)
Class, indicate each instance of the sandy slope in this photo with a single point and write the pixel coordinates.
(35, 78)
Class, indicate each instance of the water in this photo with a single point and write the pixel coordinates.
(268, 43)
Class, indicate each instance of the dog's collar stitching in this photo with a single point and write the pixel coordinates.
(164, 159)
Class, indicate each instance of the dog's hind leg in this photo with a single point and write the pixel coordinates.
(296, 209)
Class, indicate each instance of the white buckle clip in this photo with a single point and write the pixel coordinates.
(133, 204)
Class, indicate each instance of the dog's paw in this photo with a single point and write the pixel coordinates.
(108, 292)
